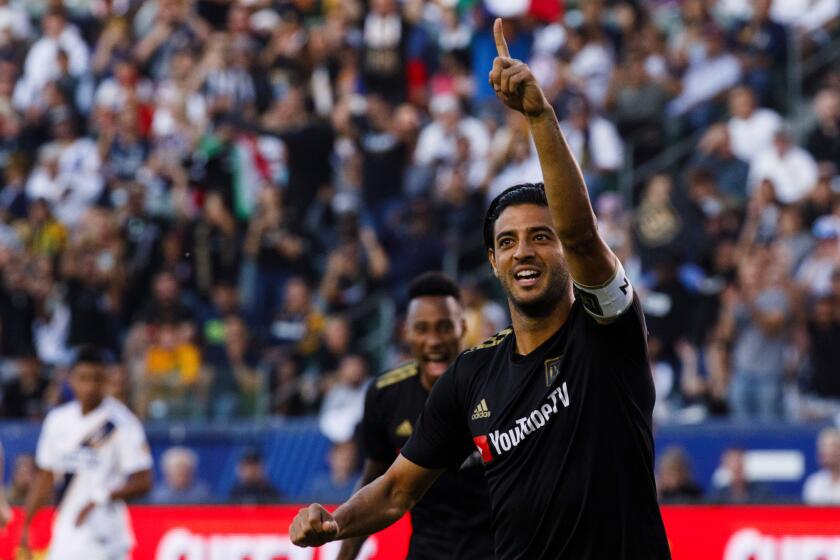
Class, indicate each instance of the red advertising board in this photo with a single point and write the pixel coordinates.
(259, 533)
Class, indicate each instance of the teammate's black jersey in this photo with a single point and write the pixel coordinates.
(452, 520)
(565, 434)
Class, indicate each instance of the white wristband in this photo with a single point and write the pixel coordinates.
(608, 300)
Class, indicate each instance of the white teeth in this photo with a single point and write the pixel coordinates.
(527, 274)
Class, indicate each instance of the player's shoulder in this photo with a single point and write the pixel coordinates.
(119, 413)
(489, 346)
(394, 377)
(62, 413)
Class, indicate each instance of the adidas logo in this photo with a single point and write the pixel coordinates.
(481, 411)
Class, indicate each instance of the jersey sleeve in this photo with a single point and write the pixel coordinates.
(45, 456)
(132, 449)
(374, 435)
(441, 438)
(622, 347)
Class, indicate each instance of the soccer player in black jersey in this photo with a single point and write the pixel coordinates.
(559, 405)
(452, 520)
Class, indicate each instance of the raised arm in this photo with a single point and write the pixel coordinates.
(371, 509)
(590, 261)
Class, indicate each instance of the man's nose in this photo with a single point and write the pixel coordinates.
(524, 250)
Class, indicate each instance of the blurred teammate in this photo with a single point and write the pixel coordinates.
(96, 451)
(453, 518)
(560, 405)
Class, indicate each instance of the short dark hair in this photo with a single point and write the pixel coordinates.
(433, 284)
(524, 193)
(90, 354)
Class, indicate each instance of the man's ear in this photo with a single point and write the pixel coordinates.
(491, 256)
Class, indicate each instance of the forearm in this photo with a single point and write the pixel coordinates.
(588, 258)
(137, 486)
(38, 495)
(371, 509)
(564, 184)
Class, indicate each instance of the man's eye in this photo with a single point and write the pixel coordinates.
(505, 242)
(541, 237)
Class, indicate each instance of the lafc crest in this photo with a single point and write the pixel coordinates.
(552, 369)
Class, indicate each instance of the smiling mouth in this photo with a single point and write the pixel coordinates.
(436, 364)
(527, 277)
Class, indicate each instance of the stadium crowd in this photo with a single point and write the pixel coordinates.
(225, 194)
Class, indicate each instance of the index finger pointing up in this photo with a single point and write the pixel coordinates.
(499, 35)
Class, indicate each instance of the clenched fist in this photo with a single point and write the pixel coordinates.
(513, 81)
(313, 526)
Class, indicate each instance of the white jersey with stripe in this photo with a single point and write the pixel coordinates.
(90, 454)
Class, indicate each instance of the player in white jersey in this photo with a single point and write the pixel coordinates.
(94, 453)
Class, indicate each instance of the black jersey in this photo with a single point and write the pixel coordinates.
(565, 435)
(452, 520)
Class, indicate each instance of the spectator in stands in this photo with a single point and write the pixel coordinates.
(340, 483)
(41, 233)
(751, 128)
(814, 274)
(236, 382)
(291, 392)
(438, 139)
(17, 310)
(24, 397)
(297, 325)
(166, 303)
(168, 383)
(252, 486)
(384, 158)
(791, 169)
(413, 247)
(590, 61)
(823, 384)
(735, 487)
(715, 156)
(278, 251)
(344, 401)
(179, 486)
(636, 100)
(823, 141)
(762, 45)
(384, 51)
(353, 268)
(41, 63)
(595, 144)
(23, 474)
(823, 487)
(336, 341)
(71, 179)
(674, 482)
(710, 72)
(216, 244)
(754, 318)
(484, 316)
(513, 157)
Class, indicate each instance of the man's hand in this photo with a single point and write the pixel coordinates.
(313, 526)
(5, 514)
(513, 81)
(85, 511)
